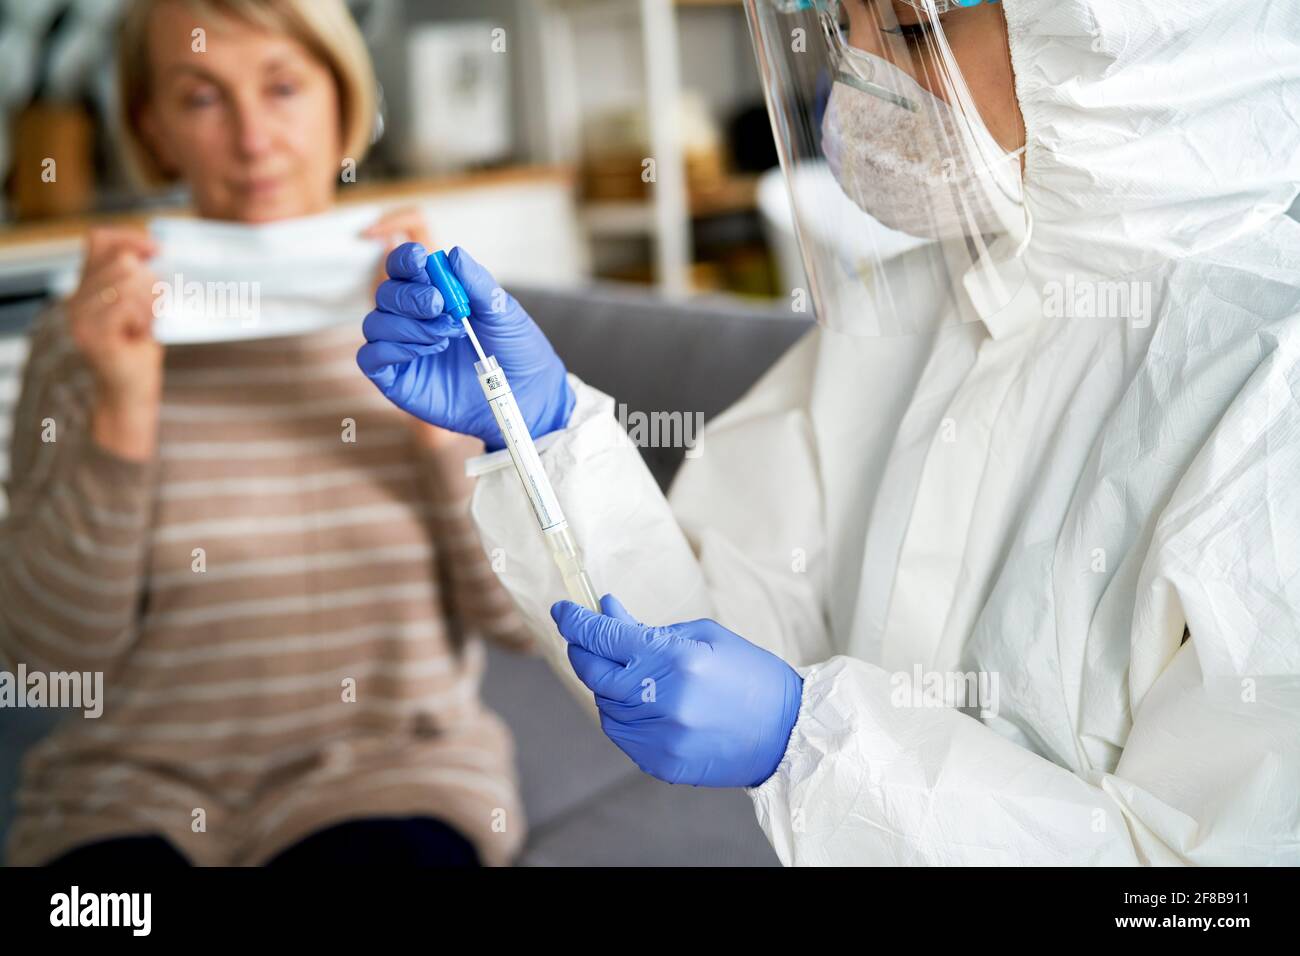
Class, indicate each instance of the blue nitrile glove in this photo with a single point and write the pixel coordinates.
(423, 362)
(689, 703)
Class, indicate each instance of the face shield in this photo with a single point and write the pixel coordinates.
(905, 205)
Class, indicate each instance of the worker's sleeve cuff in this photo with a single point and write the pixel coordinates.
(590, 405)
(765, 790)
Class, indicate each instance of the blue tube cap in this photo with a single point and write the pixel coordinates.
(455, 301)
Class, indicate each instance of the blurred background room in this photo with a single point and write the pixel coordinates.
(628, 136)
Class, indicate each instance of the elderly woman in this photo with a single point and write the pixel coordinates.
(272, 607)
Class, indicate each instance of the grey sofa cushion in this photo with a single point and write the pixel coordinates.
(653, 355)
(587, 804)
(645, 822)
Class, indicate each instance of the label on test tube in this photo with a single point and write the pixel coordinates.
(528, 464)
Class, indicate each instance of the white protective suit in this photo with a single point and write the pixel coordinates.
(1053, 501)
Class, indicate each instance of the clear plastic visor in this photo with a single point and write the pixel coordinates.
(905, 201)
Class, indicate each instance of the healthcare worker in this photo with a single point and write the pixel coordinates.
(1055, 448)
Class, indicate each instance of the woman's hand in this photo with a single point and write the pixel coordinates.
(110, 319)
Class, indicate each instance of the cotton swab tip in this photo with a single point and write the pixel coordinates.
(469, 330)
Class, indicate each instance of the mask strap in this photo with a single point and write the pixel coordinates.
(874, 89)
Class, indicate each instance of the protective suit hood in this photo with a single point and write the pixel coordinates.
(1154, 130)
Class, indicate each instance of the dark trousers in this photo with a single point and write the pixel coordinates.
(378, 841)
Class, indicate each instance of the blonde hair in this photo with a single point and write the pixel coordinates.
(324, 27)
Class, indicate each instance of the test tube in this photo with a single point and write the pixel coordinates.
(519, 442)
(532, 475)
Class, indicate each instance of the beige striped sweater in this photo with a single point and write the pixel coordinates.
(287, 622)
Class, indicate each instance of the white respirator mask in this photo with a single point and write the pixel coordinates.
(904, 156)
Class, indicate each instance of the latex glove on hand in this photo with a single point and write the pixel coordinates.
(689, 703)
(422, 361)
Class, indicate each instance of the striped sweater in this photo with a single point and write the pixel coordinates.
(285, 604)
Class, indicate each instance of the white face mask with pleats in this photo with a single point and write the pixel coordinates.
(901, 154)
(222, 282)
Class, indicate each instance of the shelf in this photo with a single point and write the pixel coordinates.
(664, 217)
(619, 218)
(736, 193)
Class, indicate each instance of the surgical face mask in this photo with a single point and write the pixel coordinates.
(222, 281)
(905, 157)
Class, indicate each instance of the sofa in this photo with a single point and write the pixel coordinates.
(587, 804)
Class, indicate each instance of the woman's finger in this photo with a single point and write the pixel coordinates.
(407, 223)
(104, 243)
(114, 267)
(114, 323)
(127, 286)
